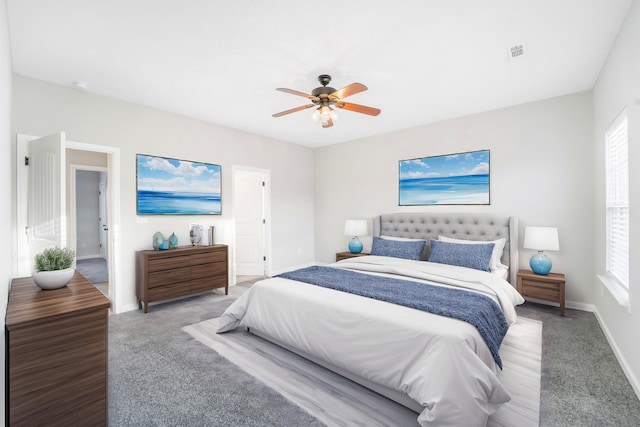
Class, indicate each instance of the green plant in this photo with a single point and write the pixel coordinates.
(54, 259)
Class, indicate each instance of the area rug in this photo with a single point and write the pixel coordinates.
(337, 401)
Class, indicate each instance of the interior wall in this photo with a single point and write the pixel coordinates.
(618, 86)
(41, 108)
(6, 189)
(541, 173)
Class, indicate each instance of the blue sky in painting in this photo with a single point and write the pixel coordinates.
(171, 175)
(472, 163)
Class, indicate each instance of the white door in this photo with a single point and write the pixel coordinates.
(249, 215)
(102, 220)
(46, 211)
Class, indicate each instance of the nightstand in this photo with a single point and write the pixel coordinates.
(538, 286)
(344, 255)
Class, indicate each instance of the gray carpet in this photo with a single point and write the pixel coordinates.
(160, 376)
(94, 269)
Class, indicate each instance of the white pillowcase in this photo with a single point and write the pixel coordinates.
(401, 239)
(494, 262)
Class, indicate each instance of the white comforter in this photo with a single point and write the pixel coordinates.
(440, 362)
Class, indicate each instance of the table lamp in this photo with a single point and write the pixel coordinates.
(355, 228)
(541, 239)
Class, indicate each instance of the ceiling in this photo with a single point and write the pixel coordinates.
(220, 61)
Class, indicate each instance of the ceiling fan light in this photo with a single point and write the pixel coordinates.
(315, 115)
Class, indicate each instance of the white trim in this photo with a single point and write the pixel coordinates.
(617, 291)
(635, 384)
(113, 219)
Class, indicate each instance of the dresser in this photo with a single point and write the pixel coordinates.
(186, 270)
(56, 354)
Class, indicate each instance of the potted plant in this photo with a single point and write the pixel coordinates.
(53, 268)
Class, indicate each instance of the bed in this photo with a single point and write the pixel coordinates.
(442, 367)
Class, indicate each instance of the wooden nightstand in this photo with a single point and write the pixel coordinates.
(547, 288)
(344, 255)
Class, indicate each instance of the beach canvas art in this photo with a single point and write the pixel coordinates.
(452, 179)
(177, 187)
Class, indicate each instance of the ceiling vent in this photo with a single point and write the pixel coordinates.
(517, 52)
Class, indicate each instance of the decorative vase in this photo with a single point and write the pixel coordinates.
(164, 245)
(54, 279)
(173, 241)
(158, 238)
(355, 246)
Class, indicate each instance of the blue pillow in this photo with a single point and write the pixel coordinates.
(398, 248)
(471, 256)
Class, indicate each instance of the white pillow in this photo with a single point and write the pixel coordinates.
(494, 263)
(401, 239)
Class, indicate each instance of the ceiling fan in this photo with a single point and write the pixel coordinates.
(325, 98)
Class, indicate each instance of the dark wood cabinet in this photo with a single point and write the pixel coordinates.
(173, 273)
(56, 354)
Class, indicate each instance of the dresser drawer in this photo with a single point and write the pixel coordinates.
(208, 257)
(165, 277)
(168, 263)
(540, 290)
(208, 283)
(173, 290)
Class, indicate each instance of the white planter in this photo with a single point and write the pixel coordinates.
(52, 279)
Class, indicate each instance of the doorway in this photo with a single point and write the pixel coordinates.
(251, 201)
(22, 263)
(88, 217)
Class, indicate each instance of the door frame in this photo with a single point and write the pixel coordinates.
(71, 215)
(114, 209)
(267, 213)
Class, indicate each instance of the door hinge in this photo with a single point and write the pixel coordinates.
(264, 221)
(263, 183)
(26, 161)
(264, 258)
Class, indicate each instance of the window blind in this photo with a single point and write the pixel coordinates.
(617, 200)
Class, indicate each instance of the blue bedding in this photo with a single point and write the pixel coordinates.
(478, 310)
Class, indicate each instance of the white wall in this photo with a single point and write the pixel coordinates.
(618, 86)
(6, 229)
(541, 172)
(41, 108)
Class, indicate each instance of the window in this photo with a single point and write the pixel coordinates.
(617, 200)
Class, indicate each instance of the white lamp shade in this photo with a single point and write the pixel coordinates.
(355, 227)
(541, 238)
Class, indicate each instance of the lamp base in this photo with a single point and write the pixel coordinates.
(355, 246)
(540, 264)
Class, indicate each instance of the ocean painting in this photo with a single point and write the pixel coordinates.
(177, 187)
(453, 179)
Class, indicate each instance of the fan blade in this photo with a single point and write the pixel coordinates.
(328, 123)
(293, 110)
(295, 92)
(352, 89)
(358, 108)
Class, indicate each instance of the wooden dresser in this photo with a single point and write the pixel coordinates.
(172, 273)
(56, 354)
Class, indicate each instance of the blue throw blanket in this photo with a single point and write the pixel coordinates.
(478, 310)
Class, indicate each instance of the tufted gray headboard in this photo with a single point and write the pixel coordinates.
(467, 226)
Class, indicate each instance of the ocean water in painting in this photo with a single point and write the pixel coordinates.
(178, 203)
(450, 190)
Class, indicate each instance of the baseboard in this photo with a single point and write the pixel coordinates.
(568, 304)
(88, 256)
(635, 384)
